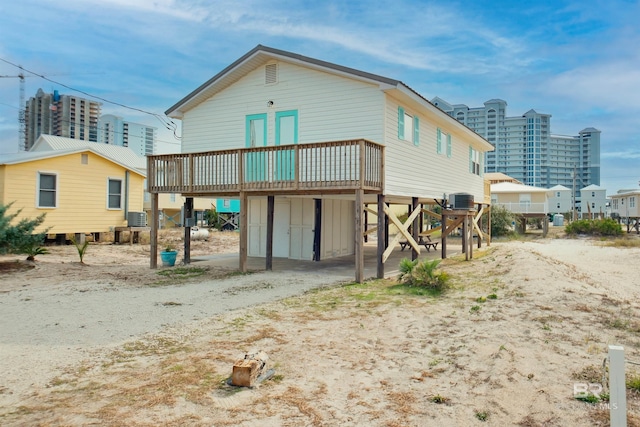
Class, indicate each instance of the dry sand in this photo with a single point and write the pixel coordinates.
(113, 343)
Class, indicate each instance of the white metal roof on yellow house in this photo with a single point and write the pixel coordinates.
(30, 156)
(122, 155)
(510, 187)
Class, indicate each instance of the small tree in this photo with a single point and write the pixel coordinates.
(20, 238)
(501, 221)
(212, 217)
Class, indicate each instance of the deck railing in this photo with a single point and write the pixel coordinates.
(525, 208)
(337, 165)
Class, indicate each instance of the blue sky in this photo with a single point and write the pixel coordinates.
(576, 60)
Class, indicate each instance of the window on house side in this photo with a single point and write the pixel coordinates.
(115, 194)
(408, 127)
(474, 161)
(47, 189)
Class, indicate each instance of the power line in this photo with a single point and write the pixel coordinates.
(168, 123)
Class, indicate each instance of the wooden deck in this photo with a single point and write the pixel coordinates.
(336, 167)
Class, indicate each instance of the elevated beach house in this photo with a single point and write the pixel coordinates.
(625, 207)
(309, 147)
(524, 201)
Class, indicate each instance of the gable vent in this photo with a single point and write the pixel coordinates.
(271, 74)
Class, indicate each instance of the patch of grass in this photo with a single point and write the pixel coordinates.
(481, 299)
(618, 323)
(482, 415)
(590, 374)
(475, 309)
(624, 242)
(492, 296)
(588, 398)
(633, 382)
(402, 289)
(440, 400)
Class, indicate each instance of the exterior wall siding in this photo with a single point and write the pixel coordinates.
(418, 170)
(329, 108)
(81, 193)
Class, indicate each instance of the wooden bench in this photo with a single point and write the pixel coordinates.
(422, 240)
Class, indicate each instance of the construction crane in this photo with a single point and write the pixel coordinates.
(21, 107)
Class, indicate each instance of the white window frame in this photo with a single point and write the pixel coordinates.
(56, 189)
(109, 179)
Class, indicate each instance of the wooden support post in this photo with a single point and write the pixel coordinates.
(317, 229)
(469, 221)
(153, 234)
(366, 224)
(545, 226)
(443, 237)
(383, 230)
(359, 248)
(489, 227)
(270, 209)
(480, 227)
(415, 227)
(465, 238)
(244, 230)
(617, 387)
(188, 222)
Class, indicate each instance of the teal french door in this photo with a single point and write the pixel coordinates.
(256, 136)
(286, 134)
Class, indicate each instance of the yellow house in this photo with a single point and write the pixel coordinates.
(81, 190)
(170, 205)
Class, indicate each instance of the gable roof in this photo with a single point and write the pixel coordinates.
(510, 187)
(123, 156)
(560, 188)
(261, 55)
(496, 177)
(592, 187)
(255, 58)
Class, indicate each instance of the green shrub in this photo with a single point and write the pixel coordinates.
(20, 238)
(594, 227)
(213, 218)
(423, 274)
(501, 221)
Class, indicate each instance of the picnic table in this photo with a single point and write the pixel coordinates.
(422, 240)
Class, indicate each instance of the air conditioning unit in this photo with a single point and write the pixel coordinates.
(462, 201)
(136, 219)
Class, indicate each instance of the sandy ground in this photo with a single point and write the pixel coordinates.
(113, 343)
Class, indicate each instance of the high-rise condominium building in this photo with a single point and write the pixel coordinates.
(114, 130)
(60, 115)
(526, 150)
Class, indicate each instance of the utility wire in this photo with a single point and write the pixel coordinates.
(168, 123)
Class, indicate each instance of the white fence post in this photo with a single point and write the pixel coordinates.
(617, 387)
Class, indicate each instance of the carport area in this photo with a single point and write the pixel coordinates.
(339, 268)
